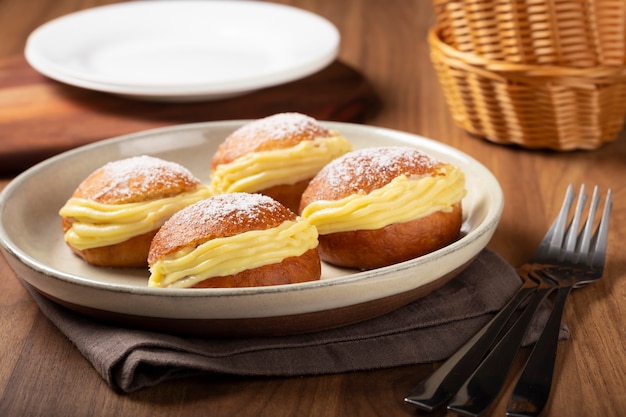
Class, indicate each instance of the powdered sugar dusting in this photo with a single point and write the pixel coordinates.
(236, 208)
(126, 179)
(362, 170)
(221, 215)
(279, 131)
(280, 126)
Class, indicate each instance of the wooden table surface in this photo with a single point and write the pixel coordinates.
(42, 374)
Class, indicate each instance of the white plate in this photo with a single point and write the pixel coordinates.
(183, 50)
(32, 241)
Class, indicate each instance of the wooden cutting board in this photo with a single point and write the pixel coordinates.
(40, 117)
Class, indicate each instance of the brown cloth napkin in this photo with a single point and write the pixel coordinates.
(426, 330)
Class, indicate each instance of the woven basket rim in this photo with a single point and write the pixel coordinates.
(507, 69)
(571, 33)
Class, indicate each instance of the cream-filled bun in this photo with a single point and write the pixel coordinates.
(379, 206)
(234, 240)
(276, 156)
(114, 213)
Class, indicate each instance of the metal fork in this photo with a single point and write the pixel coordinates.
(442, 384)
(581, 261)
(482, 387)
(578, 258)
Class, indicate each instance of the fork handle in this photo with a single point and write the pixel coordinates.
(441, 385)
(483, 386)
(532, 390)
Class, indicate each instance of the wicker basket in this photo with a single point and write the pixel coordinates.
(572, 33)
(534, 106)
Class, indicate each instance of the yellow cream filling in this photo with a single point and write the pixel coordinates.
(234, 254)
(96, 224)
(260, 170)
(402, 200)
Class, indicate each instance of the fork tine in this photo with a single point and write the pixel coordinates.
(584, 241)
(560, 223)
(548, 248)
(568, 248)
(600, 238)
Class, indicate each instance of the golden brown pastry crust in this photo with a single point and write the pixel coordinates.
(132, 253)
(130, 180)
(363, 172)
(303, 268)
(288, 195)
(136, 179)
(279, 131)
(368, 249)
(227, 215)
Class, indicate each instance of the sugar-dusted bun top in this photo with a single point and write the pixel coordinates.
(363, 171)
(219, 216)
(136, 179)
(279, 131)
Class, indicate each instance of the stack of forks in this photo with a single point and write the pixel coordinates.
(570, 255)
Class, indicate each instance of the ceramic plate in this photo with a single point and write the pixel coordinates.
(183, 50)
(32, 241)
